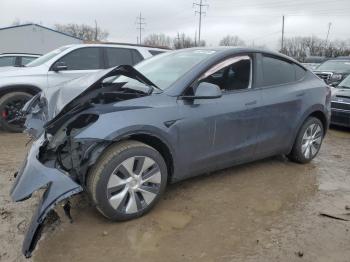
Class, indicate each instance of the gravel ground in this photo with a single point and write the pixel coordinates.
(263, 211)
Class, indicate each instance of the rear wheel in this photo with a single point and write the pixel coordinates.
(127, 180)
(11, 104)
(308, 142)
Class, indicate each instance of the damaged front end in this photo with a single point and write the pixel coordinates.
(58, 161)
(33, 176)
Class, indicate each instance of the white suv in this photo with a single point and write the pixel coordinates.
(19, 84)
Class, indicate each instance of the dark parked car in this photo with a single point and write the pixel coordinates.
(312, 62)
(334, 71)
(123, 134)
(341, 104)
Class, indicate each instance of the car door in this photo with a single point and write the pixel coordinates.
(216, 133)
(78, 62)
(282, 95)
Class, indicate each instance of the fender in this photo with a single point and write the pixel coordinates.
(33, 90)
(307, 113)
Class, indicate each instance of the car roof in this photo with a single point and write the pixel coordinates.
(120, 45)
(19, 54)
(224, 50)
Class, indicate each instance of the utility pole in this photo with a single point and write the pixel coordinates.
(95, 30)
(282, 41)
(200, 5)
(140, 21)
(329, 29)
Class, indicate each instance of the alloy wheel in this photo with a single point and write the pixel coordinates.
(134, 184)
(11, 112)
(312, 140)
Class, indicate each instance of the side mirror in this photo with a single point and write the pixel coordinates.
(206, 90)
(59, 66)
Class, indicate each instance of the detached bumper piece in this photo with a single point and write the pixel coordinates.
(32, 176)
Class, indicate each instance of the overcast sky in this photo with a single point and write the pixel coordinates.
(257, 21)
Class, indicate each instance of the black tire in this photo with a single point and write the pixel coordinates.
(15, 100)
(113, 159)
(298, 153)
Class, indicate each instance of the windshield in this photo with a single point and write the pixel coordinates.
(345, 83)
(43, 59)
(164, 69)
(340, 66)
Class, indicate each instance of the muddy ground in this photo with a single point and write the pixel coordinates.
(264, 211)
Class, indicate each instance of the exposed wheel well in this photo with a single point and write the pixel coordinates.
(320, 115)
(33, 90)
(160, 146)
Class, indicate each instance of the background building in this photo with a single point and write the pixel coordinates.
(33, 38)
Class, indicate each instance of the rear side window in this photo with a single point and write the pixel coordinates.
(122, 56)
(277, 72)
(118, 56)
(7, 61)
(136, 56)
(155, 52)
(87, 58)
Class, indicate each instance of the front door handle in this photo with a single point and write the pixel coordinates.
(301, 94)
(251, 103)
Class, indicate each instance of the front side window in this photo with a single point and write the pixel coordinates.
(7, 61)
(277, 72)
(87, 58)
(230, 75)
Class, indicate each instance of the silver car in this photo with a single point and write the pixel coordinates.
(19, 84)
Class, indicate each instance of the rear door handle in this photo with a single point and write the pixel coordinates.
(251, 103)
(301, 94)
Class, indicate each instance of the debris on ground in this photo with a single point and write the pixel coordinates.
(347, 207)
(21, 226)
(4, 213)
(299, 253)
(342, 217)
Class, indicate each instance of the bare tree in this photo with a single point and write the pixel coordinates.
(158, 40)
(83, 31)
(232, 40)
(302, 47)
(183, 41)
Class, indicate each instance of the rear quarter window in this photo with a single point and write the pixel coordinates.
(277, 72)
(299, 72)
(155, 52)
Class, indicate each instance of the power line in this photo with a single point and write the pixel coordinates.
(140, 22)
(282, 42)
(200, 6)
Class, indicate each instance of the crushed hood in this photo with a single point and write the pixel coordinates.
(51, 107)
(65, 96)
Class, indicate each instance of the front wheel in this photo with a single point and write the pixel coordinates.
(308, 141)
(11, 104)
(127, 180)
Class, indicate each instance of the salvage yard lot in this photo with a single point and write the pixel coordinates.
(264, 211)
